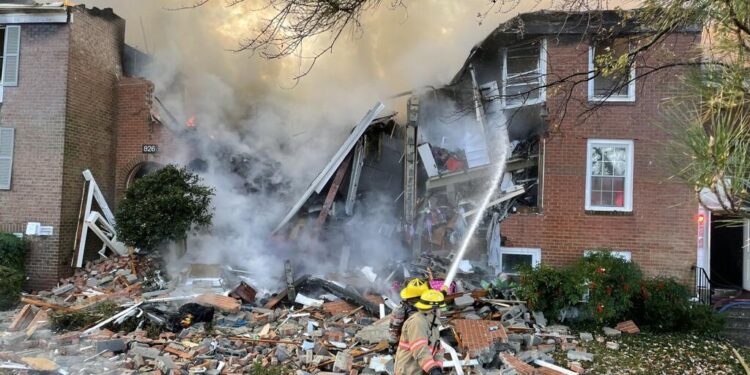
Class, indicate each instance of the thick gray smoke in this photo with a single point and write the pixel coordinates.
(246, 105)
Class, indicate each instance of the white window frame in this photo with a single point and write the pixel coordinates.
(628, 198)
(626, 255)
(536, 255)
(542, 67)
(611, 98)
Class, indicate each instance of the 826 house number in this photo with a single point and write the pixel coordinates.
(150, 149)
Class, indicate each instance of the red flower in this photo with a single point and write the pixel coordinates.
(601, 270)
(592, 285)
(609, 290)
(600, 308)
(626, 287)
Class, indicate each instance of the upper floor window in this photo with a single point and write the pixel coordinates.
(524, 70)
(609, 175)
(607, 84)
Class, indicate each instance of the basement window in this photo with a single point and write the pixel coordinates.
(617, 86)
(609, 175)
(524, 70)
(513, 258)
(624, 255)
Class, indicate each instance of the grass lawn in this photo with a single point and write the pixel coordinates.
(655, 354)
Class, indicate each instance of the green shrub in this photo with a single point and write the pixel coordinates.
(549, 289)
(11, 281)
(663, 305)
(702, 319)
(12, 251)
(612, 282)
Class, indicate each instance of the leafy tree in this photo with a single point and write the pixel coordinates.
(163, 206)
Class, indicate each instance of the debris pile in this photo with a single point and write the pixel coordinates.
(120, 315)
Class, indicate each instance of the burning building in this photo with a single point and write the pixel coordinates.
(580, 161)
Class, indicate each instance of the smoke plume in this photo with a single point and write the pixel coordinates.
(244, 105)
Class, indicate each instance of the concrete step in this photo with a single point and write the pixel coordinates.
(737, 323)
(738, 336)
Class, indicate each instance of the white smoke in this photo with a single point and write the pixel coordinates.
(245, 104)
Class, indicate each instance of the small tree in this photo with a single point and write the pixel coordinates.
(163, 206)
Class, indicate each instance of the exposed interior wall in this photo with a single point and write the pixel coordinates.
(36, 109)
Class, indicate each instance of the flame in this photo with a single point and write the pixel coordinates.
(190, 123)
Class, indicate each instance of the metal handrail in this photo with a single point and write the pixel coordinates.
(703, 289)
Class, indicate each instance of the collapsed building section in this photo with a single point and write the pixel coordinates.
(423, 178)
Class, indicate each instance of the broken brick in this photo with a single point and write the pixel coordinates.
(628, 327)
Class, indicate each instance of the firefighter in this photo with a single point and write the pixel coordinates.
(419, 342)
(409, 295)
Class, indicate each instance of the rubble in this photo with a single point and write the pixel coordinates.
(149, 323)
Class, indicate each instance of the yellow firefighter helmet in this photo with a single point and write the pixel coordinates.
(414, 289)
(430, 299)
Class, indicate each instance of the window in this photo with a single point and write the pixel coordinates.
(524, 70)
(620, 254)
(10, 37)
(6, 156)
(609, 175)
(511, 258)
(616, 86)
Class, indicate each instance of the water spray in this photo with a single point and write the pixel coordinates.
(494, 183)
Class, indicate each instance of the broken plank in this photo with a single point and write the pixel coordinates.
(22, 318)
(283, 294)
(47, 305)
(220, 302)
(179, 353)
(40, 320)
(332, 192)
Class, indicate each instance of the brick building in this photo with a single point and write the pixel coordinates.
(600, 176)
(67, 106)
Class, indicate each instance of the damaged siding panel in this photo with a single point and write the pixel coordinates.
(524, 74)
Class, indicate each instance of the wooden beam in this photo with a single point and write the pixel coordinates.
(332, 192)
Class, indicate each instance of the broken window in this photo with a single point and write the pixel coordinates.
(609, 177)
(514, 258)
(524, 68)
(605, 83)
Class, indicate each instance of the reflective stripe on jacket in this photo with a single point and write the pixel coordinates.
(415, 348)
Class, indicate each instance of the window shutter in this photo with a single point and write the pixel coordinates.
(11, 55)
(6, 156)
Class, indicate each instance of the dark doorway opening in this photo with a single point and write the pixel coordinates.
(141, 170)
(727, 239)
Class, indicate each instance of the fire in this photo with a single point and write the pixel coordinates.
(190, 123)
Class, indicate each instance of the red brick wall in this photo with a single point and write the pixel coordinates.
(96, 42)
(136, 128)
(659, 232)
(36, 109)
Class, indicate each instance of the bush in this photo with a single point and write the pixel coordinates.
(549, 289)
(663, 305)
(12, 251)
(163, 206)
(11, 281)
(612, 282)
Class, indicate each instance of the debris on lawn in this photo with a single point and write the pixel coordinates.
(104, 319)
